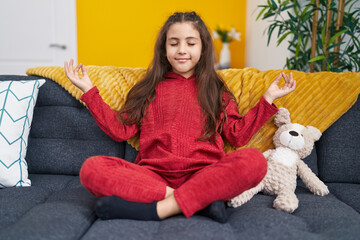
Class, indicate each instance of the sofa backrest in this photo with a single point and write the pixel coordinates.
(338, 149)
(63, 133)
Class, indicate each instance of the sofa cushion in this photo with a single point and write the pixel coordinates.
(316, 218)
(57, 207)
(349, 193)
(17, 101)
(15, 202)
(338, 149)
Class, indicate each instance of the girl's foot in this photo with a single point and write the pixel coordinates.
(114, 207)
(215, 211)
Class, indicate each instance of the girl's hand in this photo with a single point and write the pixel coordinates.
(275, 92)
(84, 83)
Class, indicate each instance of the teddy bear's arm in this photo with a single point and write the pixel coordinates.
(311, 180)
(268, 153)
(245, 196)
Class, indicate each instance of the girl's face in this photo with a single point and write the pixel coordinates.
(183, 48)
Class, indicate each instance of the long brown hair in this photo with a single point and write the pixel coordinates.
(210, 85)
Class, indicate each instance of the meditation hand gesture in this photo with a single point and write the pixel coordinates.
(275, 92)
(83, 83)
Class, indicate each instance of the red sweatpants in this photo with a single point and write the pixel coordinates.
(234, 173)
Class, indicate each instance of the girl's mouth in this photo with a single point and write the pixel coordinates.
(182, 59)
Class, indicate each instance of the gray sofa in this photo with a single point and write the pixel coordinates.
(57, 206)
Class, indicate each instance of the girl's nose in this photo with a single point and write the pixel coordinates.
(181, 48)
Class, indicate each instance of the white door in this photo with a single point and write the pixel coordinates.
(36, 33)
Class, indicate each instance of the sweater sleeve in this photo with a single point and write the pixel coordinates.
(106, 118)
(238, 130)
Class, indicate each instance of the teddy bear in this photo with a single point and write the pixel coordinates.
(293, 142)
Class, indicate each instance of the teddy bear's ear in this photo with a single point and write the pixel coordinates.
(282, 117)
(314, 132)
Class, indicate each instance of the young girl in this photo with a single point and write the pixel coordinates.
(182, 109)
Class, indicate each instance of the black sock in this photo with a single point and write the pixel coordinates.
(115, 207)
(215, 211)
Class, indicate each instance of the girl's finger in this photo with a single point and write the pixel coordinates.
(83, 70)
(286, 78)
(277, 79)
(71, 67)
(289, 80)
(66, 68)
(76, 70)
(68, 73)
(292, 81)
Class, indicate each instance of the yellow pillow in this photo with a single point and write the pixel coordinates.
(319, 99)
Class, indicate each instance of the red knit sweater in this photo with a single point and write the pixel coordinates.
(169, 133)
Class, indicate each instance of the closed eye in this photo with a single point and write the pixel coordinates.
(175, 44)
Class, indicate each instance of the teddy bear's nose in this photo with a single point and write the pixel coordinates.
(293, 133)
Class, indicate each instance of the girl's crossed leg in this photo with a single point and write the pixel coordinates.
(145, 195)
(235, 173)
(112, 176)
(122, 185)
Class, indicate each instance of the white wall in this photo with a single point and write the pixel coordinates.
(258, 54)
